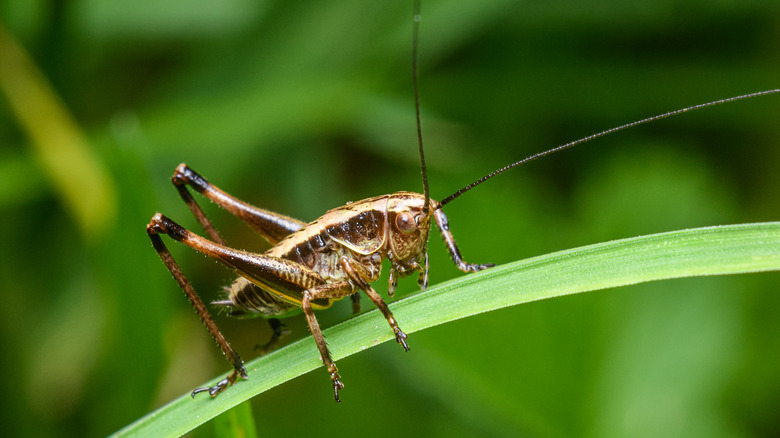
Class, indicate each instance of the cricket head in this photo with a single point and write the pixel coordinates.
(408, 227)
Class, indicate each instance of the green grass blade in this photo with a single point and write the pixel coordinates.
(704, 251)
(238, 422)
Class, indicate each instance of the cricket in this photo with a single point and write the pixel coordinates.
(339, 255)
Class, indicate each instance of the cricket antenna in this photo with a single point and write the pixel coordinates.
(415, 38)
(601, 134)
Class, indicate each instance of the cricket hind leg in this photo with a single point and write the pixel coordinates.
(154, 230)
(257, 268)
(272, 226)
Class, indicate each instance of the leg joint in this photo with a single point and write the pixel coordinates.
(185, 175)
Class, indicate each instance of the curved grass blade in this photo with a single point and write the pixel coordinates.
(731, 249)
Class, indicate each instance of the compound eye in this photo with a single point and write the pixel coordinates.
(405, 222)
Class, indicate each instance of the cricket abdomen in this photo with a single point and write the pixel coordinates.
(245, 298)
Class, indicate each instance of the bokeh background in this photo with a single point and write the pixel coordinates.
(302, 106)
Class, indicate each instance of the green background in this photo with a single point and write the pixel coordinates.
(302, 106)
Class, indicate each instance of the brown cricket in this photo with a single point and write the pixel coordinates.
(310, 265)
(338, 255)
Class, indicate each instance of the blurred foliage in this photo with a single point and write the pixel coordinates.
(302, 106)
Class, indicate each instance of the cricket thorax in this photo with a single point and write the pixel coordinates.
(366, 231)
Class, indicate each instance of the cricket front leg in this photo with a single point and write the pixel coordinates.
(449, 240)
(281, 275)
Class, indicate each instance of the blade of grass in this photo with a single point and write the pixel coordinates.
(722, 250)
(238, 422)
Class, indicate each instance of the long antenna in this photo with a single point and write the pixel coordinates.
(601, 134)
(415, 38)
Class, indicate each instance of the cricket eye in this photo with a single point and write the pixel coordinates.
(405, 222)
